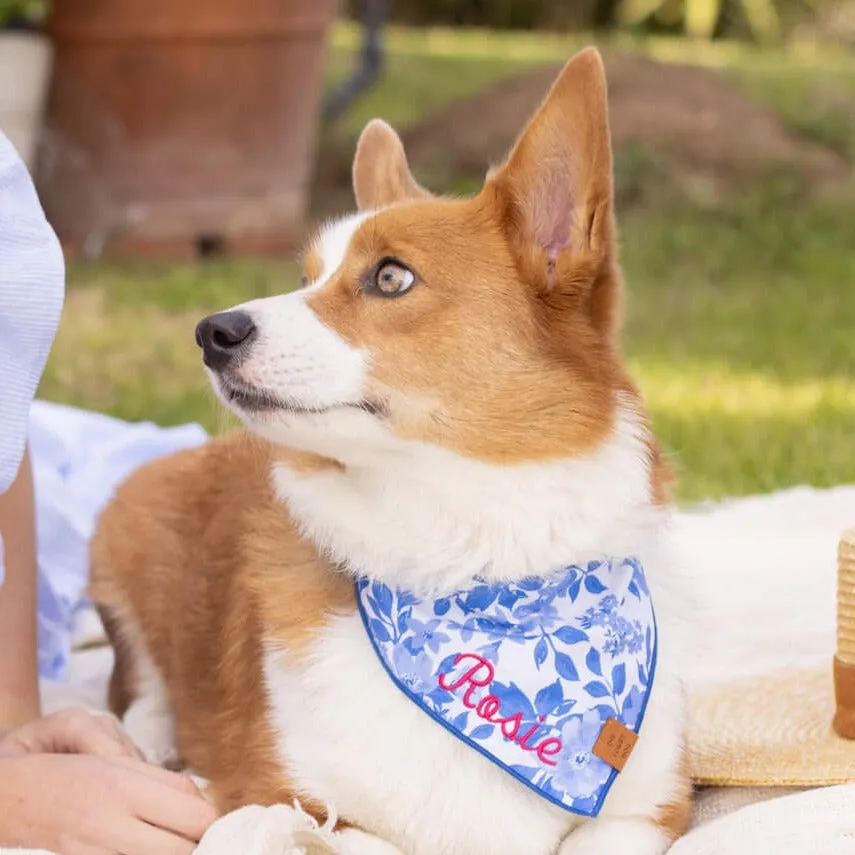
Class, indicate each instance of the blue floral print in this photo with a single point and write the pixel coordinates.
(529, 672)
(580, 773)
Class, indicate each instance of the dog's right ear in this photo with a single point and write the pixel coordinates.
(381, 174)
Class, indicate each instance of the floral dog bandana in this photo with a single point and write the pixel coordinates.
(547, 677)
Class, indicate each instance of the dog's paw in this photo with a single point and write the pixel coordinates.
(276, 830)
(152, 731)
(628, 834)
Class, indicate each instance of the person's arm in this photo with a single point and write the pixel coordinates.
(32, 287)
(19, 687)
(71, 781)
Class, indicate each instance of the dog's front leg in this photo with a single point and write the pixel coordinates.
(616, 836)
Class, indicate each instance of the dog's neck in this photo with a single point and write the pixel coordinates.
(435, 520)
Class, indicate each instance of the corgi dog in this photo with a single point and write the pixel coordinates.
(428, 592)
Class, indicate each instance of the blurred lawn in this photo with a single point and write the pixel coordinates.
(741, 317)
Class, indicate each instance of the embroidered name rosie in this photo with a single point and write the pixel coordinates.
(527, 673)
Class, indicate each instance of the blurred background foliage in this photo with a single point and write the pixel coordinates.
(751, 20)
(765, 21)
(23, 13)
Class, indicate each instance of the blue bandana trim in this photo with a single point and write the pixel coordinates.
(527, 673)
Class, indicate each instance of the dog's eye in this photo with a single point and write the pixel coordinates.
(393, 279)
(304, 281)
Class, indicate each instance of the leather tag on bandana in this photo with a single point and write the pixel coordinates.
(615, 744)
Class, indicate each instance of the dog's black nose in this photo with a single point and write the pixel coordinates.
(223, 336)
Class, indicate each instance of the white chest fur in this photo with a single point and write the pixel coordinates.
(429, 515)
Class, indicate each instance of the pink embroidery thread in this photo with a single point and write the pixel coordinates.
(489, 708)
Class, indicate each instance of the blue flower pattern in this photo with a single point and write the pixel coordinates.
(528, 672)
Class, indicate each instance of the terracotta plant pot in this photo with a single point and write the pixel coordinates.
(182, 127)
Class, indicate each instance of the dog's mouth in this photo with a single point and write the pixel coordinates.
(252, 399)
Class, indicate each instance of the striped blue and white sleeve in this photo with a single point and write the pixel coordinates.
(32, 290)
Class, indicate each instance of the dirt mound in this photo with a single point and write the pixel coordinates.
(689, 113)
(694, 122)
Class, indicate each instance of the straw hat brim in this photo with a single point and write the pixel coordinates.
(772, 731)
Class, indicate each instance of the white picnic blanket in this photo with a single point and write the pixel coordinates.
(78, 459)
(764, 573)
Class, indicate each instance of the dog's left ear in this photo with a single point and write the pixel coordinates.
(381, 174)
(555, 188)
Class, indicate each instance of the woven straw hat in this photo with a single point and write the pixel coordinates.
(790, 728)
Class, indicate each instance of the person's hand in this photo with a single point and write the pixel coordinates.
(79, 805)
(70, 731)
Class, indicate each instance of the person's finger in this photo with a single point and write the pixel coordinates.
(64, 732)
(80, 732)
(115, 833)
(30, 738)
(113, 727)
(75, 847)
(176, 780)
(12, 746)
(172, 810)
(71, 731)
(140, 838)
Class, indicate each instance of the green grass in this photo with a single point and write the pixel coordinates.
(740, 331)
(740, 313)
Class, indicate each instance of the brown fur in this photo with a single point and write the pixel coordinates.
(121, 690)
(195, 555)
(675, 817)
(313, 266)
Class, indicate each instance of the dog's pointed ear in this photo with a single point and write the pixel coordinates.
(381, 174)
(555, 187)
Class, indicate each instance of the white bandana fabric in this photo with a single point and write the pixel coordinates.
(527, 673)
